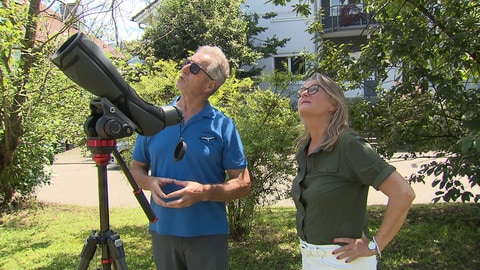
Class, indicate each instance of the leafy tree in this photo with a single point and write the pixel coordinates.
(180, 27)
(39, 106)
(268, 128)
(434, 106)
(17, 59)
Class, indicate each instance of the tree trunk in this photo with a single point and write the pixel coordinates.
(13, 119)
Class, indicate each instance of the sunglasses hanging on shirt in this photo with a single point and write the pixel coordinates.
(181, 147)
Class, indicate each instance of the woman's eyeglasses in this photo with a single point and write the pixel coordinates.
(311, 90)
(195, 68)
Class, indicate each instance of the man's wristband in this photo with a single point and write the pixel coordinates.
(378, 248)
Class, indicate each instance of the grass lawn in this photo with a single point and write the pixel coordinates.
(442, 236)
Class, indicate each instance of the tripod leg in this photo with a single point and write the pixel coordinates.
(88, 251)
(115, 248)
(108, 240)
(136, 189)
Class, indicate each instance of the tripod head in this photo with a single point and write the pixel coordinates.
(105, 124)
(106, 121)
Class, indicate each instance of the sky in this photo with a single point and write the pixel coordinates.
(130, 30)
(99, 17)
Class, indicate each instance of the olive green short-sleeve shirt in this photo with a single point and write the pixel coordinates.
(331, 188)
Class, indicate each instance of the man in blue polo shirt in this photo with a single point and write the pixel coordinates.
(186, 168)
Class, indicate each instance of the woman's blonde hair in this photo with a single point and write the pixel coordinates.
(339, 120)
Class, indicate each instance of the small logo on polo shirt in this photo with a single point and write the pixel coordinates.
(208, 138)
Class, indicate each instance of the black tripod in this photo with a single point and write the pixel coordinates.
(106, 239)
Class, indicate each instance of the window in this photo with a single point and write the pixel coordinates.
(336, 3)
(340, 3)
(294, 64)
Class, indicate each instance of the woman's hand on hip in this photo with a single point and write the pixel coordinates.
(352, 248)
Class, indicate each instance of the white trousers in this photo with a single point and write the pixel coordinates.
(320, 257)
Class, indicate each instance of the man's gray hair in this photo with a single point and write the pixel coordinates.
(219, 68)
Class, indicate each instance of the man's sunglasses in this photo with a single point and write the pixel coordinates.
(195, 68)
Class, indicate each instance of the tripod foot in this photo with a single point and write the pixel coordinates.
(88, 250)
(115, 249)
(112, 251)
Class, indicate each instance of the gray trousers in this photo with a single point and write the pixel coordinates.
(190, 253)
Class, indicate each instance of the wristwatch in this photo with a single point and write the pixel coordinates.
(372, 246)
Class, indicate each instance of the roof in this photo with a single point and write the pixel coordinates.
(144, 15)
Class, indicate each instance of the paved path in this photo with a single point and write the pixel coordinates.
(75, 181)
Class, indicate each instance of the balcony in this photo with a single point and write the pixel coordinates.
(345, 20)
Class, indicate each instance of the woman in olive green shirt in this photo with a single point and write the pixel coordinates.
(336, 167)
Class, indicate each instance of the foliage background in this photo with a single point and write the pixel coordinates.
(434, 105)
(174, 35)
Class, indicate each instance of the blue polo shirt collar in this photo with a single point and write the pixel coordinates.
(206, 112)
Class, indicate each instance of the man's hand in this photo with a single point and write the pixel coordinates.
(190, 194)
(156, 189)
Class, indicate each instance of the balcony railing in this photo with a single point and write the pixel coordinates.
(345, 17)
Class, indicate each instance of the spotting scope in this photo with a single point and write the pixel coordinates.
(85, 63)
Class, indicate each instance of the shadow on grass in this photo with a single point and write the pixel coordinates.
(52, 237)
(442, 236)
(137, 248)
(272, 245)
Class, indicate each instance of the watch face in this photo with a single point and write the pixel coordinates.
(372, 245)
